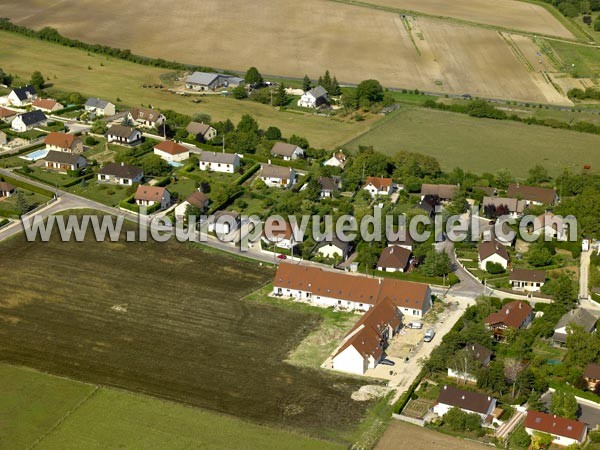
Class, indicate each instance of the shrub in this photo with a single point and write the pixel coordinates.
(494, 268)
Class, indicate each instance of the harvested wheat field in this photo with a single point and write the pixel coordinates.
(510, 14)
(353, 42)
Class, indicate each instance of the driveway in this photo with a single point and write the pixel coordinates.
(584, 271)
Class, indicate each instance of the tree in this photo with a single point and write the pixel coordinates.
(247, 124)
(325, 81)
(539, 256)
(281, 98)
(299, 141)
(253, 77)
(76, 98)
(273, 134)
(494, 268)
(202, 118)
(370, 90)
(512, 370)
(565, 291)
(540, 440)
(306, 83)
(436, 264)
(464, 364)
(538, 174)
(519, 438)
(21, 205)
(154, 165)
(37, 80)
(239, 92)
(583, 347)
(564, 404)
(5, 78)
(335, 87)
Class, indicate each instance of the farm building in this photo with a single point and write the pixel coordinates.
(209, 81)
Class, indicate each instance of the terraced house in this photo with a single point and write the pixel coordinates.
(346, 291)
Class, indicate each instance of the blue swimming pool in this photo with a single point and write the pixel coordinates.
(34, 156)
(175, 164)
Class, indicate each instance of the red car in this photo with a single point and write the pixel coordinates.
(282, 257)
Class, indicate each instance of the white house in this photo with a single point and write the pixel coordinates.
(22, 96)
(6, 189)
(364, 346)
(550, 225)
(224, 223)
(63, 142)
(337, 160)
(346, 291)
(532, 195)
(378, 186)
(152, 195)
(334, 248)
(394, 259)
(469, 402)
(171, 151)
(580, 317)
(280, 234)
(492, 251)
(277, 176)
(477, 352)
(202, 131)
(29, 120)
(564, 431)
(287, 151)
(219, 162)
(47, 105)
(63, 162)
(527, 280)
(314, 98)
(197, 199)
(146, 117)
(123, 135)
(122, 174)
(100, 107)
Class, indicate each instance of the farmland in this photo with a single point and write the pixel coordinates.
(481, 145)
(167, 320)
(57, 413)
(414, 52)
(112, 79)
(421, 438)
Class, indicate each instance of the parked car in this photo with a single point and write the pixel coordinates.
(415, 325)
(387, 362)
(282, 257)
(429, 335)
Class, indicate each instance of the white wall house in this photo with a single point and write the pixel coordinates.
(219, 162)
(494, 252)
(564, 431)
(29, 120)
(378, 186)
(314, 98)
(22, 96)
(171, 151)
(152, 195)
(122, 174)
(277, 176)
(100, 107)
(469, 402)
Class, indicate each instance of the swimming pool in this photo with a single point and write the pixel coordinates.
(175, 164)
(34, 156)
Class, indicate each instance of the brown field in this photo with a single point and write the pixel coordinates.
(400, 433)
(510, 14)
(355, 43)
(167, 320)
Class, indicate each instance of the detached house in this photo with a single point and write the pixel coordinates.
(7, 115)
(219, 162)
(329, 186)
(378, 186)
(532, 195)
(225, 222)
(591, 375)
(364, 346)
(123, 174)
(402, 239)
(202, 131)
(280, 234)
(210, 81)
(514, 315)
(172, 151)
(354, 292)
(337, 160)
(314, 98)
(29, 120)
(564, 432)
(100, 107)
(47, 105)
(445, 192)
(494, 252)
(334, 248)
(477, 352)
(6, 189)
(22, 96)
(394, 259)
(64, 162)
(580, 317)
(500, 206)
(152, 195)
(63, 142)
(197, 199)
(550, 225)
(277, 176)
(527, 280)
(146, 117)
(123, 135)
(287, 151)
(469, 402)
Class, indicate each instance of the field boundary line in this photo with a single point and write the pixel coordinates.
(64, 417)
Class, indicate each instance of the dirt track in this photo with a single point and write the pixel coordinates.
(295, 38)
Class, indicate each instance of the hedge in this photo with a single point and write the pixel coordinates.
(67, 109)
(23, 151)
(405, 398)
(27, 186)
(226, 203)
(88, 176)
(251, 171)
(451, 279)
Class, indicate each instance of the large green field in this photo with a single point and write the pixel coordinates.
(168, 320)
(55, 413)
(481, 145)
(69, 69)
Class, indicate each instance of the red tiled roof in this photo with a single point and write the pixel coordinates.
(552, 424)
(379, 183)
(45, 103)
(172, 148)
(592, 370)
(4, 113)
(395, 257)
(197, 199)
(150, 193)
(512, 314)
(61, 140)
(531, 193)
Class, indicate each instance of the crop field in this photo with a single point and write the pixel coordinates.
(422, 439)
(167, 320)
(482, 145)
(52, 413)
(425, 53)
(113, 79)
(510, 14)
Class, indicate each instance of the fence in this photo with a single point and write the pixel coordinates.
(414, 421)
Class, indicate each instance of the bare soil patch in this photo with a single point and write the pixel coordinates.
(421, 439)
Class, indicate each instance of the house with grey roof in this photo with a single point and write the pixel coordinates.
(123, 135)
(202, 132)
(22, 96)
(29, 120)
(579, 317)
(219, 162)
(314, 98)
(287, 151)
(122, 174)
(100, 107)
(278, 176)
(210, 81)
(64, 162)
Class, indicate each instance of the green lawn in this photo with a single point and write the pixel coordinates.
(51, 177)
(108, 194)
(67, 70)
(8, 205)
(63, 414)
(183, 186)
(458, 140)
(585, 59)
